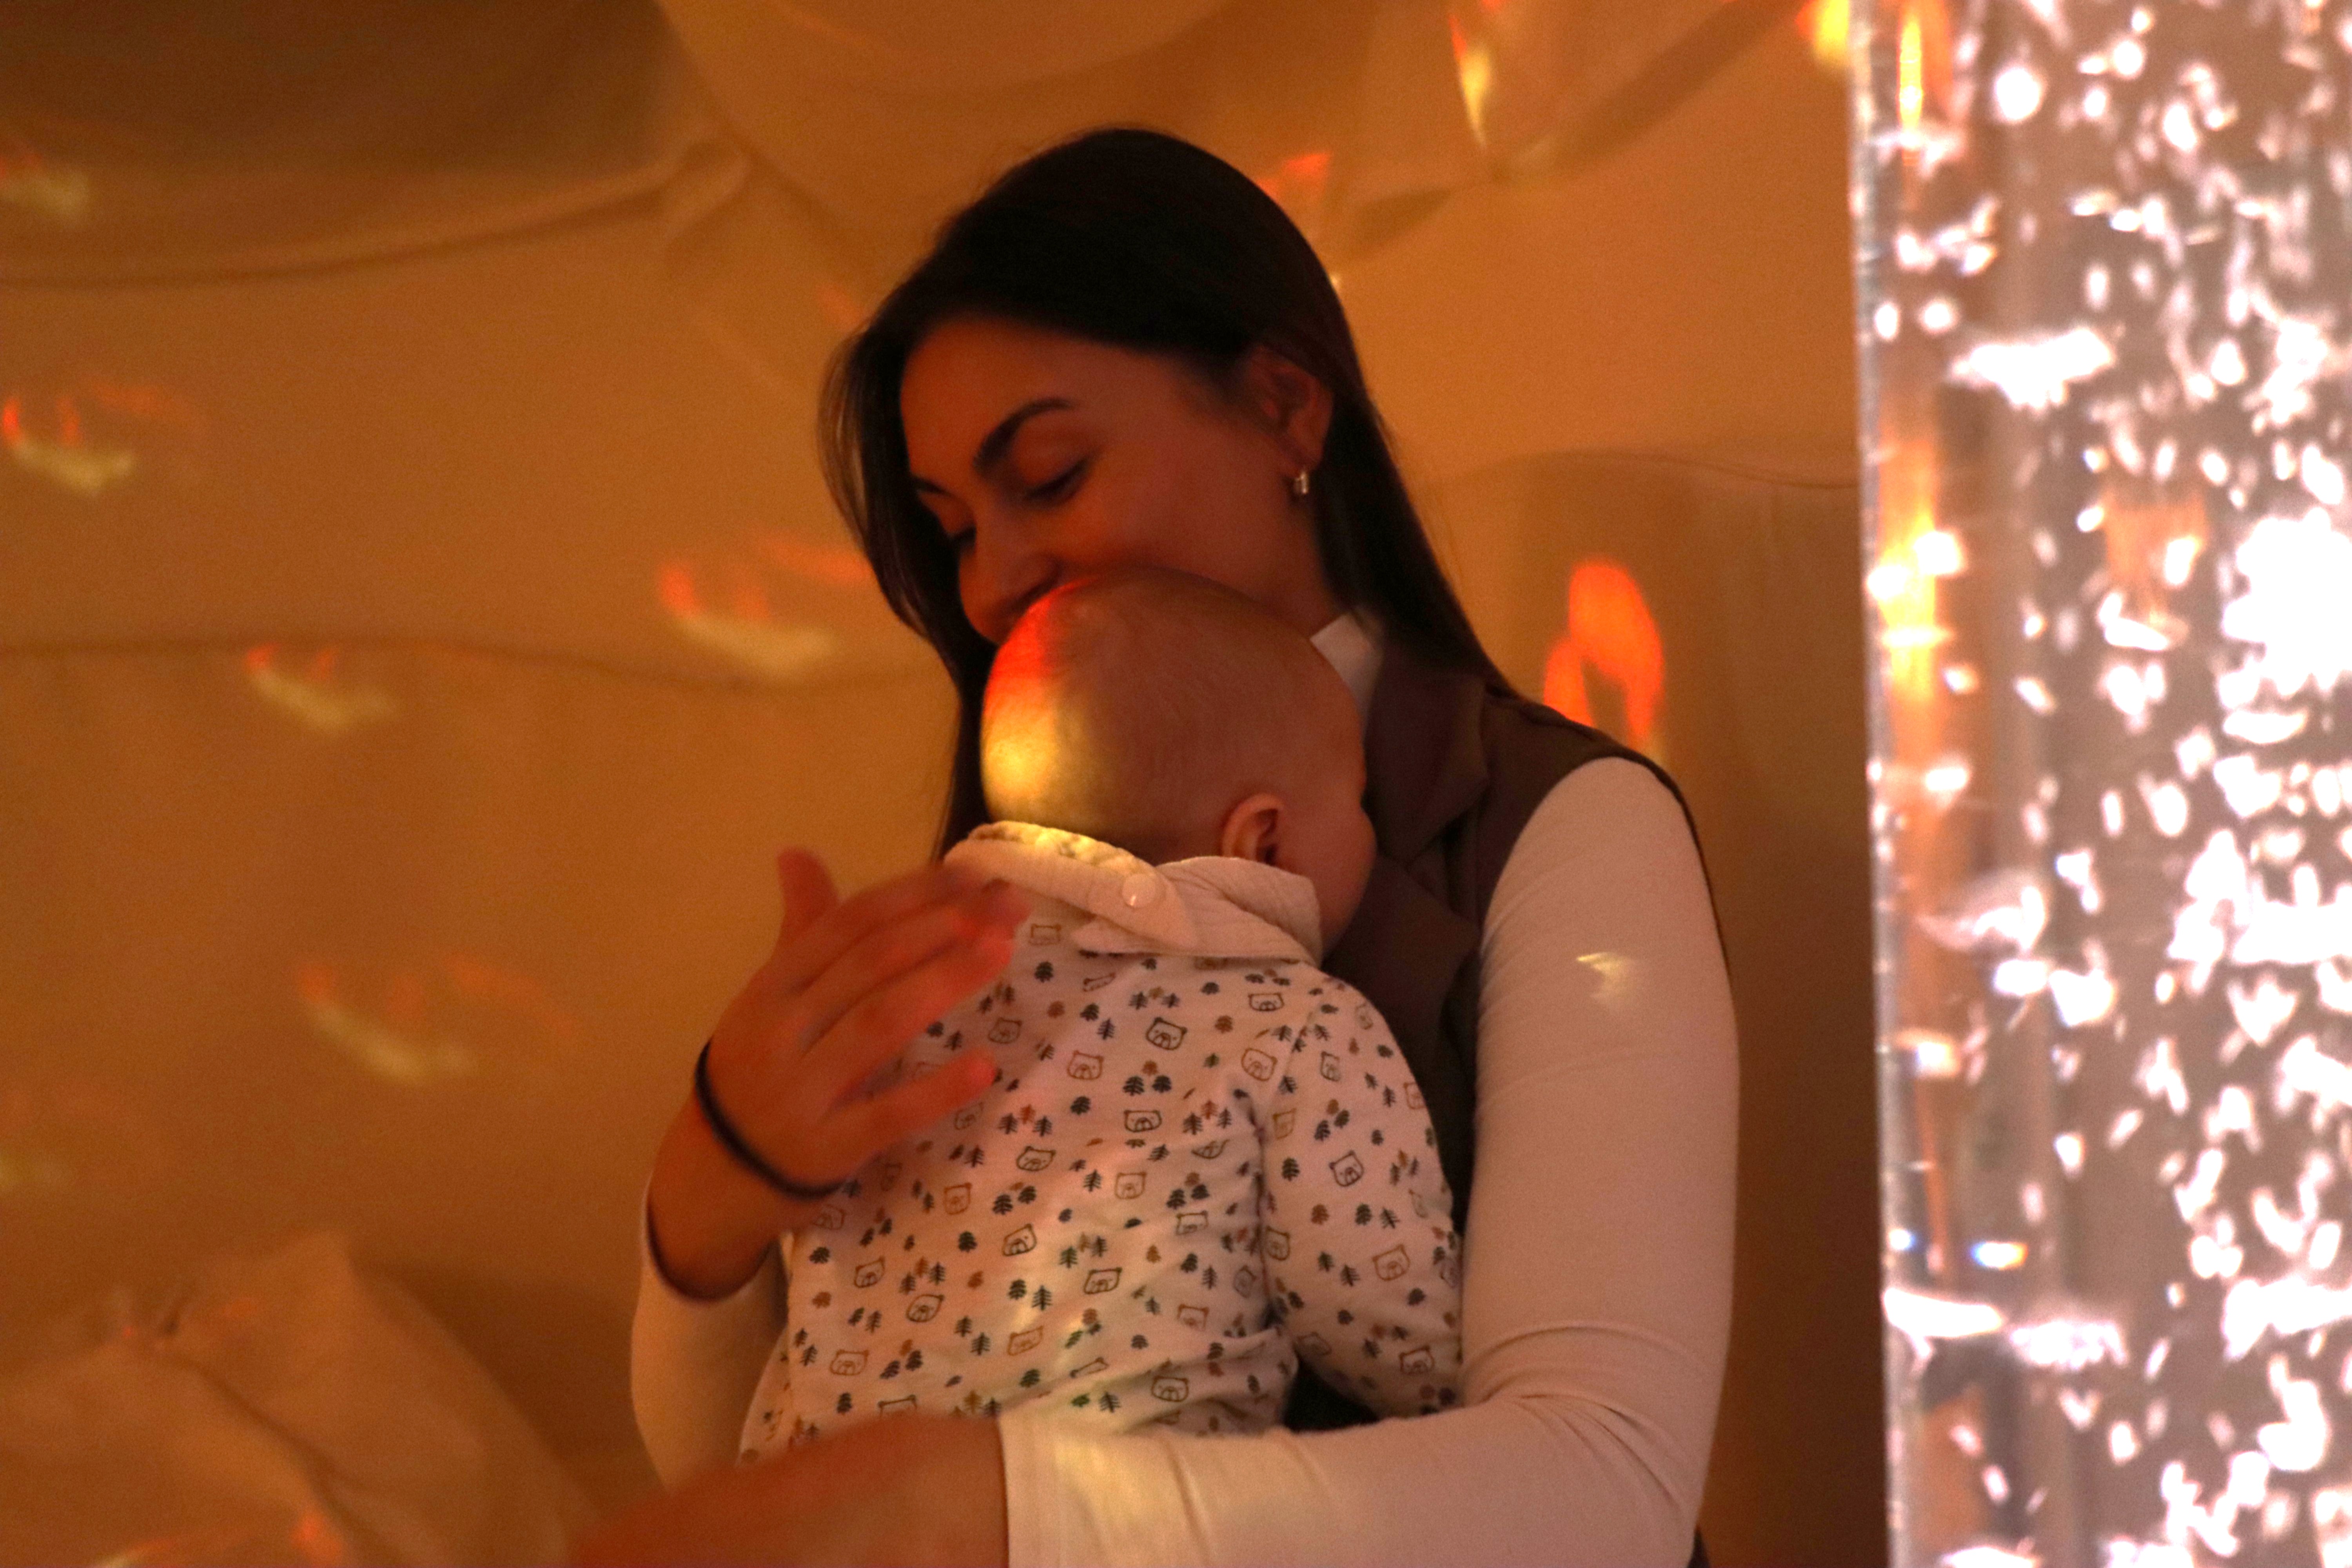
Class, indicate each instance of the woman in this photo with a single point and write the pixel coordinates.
(1125, 353)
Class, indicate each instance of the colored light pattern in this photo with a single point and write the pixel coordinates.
(308, 692)
(58, 450)
(54, 193)
(2106, 286)
(426, 1024)
(98, 434)
(1611, 641)
(745, 630)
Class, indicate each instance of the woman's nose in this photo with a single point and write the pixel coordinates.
(1001, 579)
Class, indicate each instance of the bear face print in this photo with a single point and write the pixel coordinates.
(1330, 1068)
(1277, 1244)
(1042, 934)
(847, 1363)
(1364, 1020)
(1192, 1317)
(1164, 1035)
(1027, 1340)
(1100, 1280)
(1032, 1158)
(895, 1406)
(1142, 1120)
(886, 1175)
(1021, 1241)
(966, 1117)
(1265, 1001)
(1314, 1344)
(1212, 1150)
(1188, 1221)
(1412, 1095)
(1085, 1065)
(923, 1309)
(1093, 1368)
(868, 1273)
(1126, 1185)
(956, 1199)
(1246, 1279)
(1348, 1170)
(1391, 1264)
(1450, 1271)
(1258, 1064)
(1167, 1385)
(1097, 982)
(1284, 1121)
(830, 1217)
(1421, 1358)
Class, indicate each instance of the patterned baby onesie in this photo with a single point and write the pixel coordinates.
(1201, 1156)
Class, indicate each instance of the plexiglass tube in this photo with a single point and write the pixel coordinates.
(2105, 277)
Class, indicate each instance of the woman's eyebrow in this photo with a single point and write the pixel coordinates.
(999, 439)
(993, 446)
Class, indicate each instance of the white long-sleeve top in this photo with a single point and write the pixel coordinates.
(1596, 1265)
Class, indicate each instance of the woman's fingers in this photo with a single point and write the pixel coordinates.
(897, 1114)
(807, 952)
(898, 948)
(808, 893)
(878, 1025)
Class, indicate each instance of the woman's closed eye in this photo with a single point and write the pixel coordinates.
(1058, 488)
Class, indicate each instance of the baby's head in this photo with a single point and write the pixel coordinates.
(1172, 717)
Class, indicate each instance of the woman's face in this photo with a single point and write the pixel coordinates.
(1045, 458)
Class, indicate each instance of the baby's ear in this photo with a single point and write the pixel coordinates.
(1253, 829)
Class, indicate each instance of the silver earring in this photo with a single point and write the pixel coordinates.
(1298, 484)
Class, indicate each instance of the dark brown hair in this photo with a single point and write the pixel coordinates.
(1141, 241)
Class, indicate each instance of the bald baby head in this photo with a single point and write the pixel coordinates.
(1140, 706)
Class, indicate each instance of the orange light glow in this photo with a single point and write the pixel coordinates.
(1298, 182)
(1611, 633)
(1826, 24)
(1903, 581)
(1475, 67)
(1910, 74)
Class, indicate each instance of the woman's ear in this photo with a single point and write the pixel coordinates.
(1252, 830)
(1295, 407)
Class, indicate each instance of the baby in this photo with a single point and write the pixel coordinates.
(1201, 1153)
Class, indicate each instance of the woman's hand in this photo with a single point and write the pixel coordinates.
(900, 1489)
(843, 990)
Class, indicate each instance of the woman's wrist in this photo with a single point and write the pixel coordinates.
(712, 1223)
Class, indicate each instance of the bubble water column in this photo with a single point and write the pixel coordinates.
(2106, 318)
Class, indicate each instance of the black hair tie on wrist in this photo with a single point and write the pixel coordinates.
(744, 1153)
